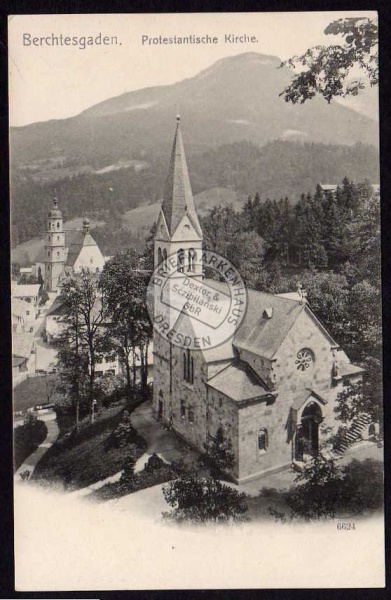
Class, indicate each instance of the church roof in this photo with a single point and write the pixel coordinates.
(80, 240)
(239, 382)
(22, 344)
(347, 368)
(26, 290)
(58, 307)
(178, 197)
(304, 395)
(264, 334)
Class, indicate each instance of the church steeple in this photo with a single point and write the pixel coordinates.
(54, 247)
(178, 197)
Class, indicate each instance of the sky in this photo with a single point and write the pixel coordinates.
(57, 82)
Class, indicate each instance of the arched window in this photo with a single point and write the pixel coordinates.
(185, 366)
(58, 254)
(164, 259)
(192, 255)
(263, 441)
(159, 256)
(188, 367)
(181, 260)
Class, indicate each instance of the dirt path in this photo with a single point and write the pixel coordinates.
(31, 462)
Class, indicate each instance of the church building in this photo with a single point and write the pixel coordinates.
(66, 251)
(272, 386)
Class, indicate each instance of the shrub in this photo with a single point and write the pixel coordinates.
(27, 438)
(154, 463)
(218, 456)
(204, 500)
(155, 471)
(363, 486)
(326, 490)
(125, 433)
(109, 388)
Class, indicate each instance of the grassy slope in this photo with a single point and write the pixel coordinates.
(34, 391)
(84, 458)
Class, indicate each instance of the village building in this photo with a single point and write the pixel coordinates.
(20, 315)
(272, 386)
(332, 188)
(22, 345)
(28, 294)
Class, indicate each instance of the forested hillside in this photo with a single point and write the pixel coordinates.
(277, 170)
(330, 244)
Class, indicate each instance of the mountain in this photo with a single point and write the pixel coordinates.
(235, 99)
(238, 133)
(276, 170)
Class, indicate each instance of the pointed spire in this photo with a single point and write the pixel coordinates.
(178, 197)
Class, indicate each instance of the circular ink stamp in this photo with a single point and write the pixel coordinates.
(196, 300)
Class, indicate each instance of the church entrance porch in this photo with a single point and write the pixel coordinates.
(306, 443)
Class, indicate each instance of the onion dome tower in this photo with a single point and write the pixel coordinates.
(54, 248)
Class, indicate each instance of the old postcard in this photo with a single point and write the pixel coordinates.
(196, 301)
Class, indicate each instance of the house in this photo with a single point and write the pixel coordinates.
(332, 188)
(20, 314)
(54, 326)
(272, 385)
(22, 345)
(28, 293)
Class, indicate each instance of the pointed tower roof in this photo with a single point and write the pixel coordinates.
(178, 197)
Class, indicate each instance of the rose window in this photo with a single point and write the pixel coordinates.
(304, 359)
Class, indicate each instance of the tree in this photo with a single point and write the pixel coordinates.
(124, 287)
(204, 500)
(44, 298)
(327, 67)
(28, 279)
(363, 398)
(226, 233)
(218, 456)
(326, 489)
(317, 491)
(84, 335)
